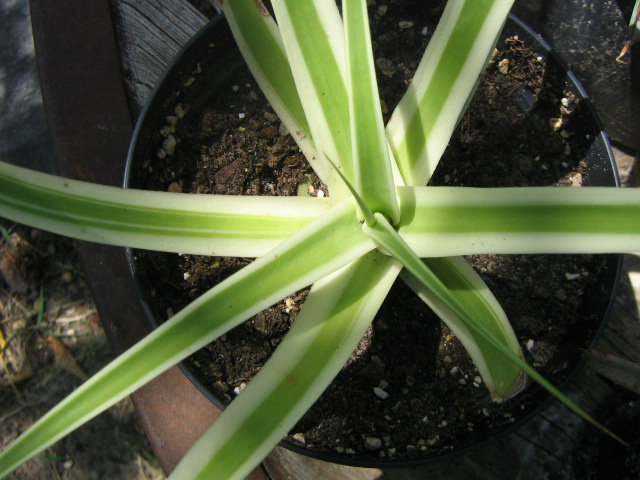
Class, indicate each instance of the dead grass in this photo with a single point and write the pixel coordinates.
(50, 340)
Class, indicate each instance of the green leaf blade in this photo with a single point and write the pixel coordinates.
(185, 223)
(503, 379)
(449, 221)
(336, 314)
(372, 164)
(448, 287)
(313, 37)
(423, 122)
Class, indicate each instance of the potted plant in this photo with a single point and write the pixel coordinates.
(227, 142)
(350, 246)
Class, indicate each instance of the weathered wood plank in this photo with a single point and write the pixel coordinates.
(150, 33)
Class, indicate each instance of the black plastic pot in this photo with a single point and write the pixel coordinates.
(600, 171)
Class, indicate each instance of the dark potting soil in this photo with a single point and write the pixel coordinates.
(523, 128)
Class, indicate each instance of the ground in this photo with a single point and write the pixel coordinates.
(51, 340)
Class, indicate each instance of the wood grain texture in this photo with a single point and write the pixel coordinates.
(150, 33)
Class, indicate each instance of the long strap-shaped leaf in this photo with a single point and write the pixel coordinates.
(504, 379)
(427, 108)
(174, 222)
(331, 242)
(313, 38)
(371, 161)
(448, 221)
(388, 238)
(335, 316)
(258, 38)
(422, 124)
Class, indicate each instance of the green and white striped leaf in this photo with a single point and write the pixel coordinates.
(388, 238)
(335, 316)
(449, 221)
(313, 39)
(371, 161)
(425, 96)
(174, 222)
(467, 299)
(258, 38)
(503, 379)
(328, 244)
(424, 120)
(447, 288)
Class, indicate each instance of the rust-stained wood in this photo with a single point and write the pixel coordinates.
(148, 34)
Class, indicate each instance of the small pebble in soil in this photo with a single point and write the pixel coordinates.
(289, 304)
(555, 123)
(477, 381)
(179, 111)
(503, 66)
(382, 9)
(166, 130)
(282, 130)
(425, 31)
(298, 437)
(174, 187)
(433, 439)
(380, 393)
(405, 24)
(530, 344)
(572, 276)
(372, 443)
(235, 88)
(169, 144)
